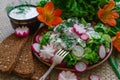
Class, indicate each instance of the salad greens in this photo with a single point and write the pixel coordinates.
(100, 34)
(111, 31)
(70, 60)
(92, 57)
(66, 24)
(67, 39)
(45, 39)
(99, 27)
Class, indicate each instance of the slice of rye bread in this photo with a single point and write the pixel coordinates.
(40, 69)
(9, 52)
(25, 65)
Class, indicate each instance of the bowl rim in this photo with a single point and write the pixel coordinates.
(31, 5)
(71, 69)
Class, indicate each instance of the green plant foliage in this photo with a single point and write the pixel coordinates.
(79, 8)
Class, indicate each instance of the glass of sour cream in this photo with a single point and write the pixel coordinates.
(24, 15)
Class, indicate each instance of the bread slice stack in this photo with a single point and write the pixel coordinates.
(16, 56)
(10, 52)
(25, 65)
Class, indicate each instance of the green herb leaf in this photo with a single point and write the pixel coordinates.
(115, 29)
(70, 60)
(111, 61)
(42, 2)
(9, 8)
(45, 39)
(91, 57)
(79, 8)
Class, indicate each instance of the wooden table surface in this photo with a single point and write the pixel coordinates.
(105, 71)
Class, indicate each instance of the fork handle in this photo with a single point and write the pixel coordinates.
(47, 73)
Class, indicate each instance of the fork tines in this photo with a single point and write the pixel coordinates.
(61, 52)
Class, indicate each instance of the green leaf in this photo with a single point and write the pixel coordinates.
(78, 8)
(114, 30)
(111, 61)
(101, 28)
(106, 37)
(70, 60)
(92, 57)
(45, 39)
(117, 0)
(41, 3)
(9, 8)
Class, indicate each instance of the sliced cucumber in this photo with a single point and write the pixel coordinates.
(78, 51)
(81, 42)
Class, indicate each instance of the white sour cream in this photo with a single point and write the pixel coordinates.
(29, 12)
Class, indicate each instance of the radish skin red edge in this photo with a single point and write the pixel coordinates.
(67, 75)
(78, 29)
(84, 36)
(80, 66)
(108, 51)
(38, 38)
(94, 77)
(22, 31)
(36, 48)
(102, 52)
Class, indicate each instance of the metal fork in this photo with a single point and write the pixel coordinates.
(59, 56)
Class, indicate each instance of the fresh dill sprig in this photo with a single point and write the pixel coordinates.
(24, 5)
(9, 8)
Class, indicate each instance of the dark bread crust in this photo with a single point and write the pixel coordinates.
(25, 65)
(40, 69)
(10, 51)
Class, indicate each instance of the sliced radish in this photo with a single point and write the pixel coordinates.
(78, 51)
(102, 52)
(62, 64)
(38, 38)
(36, 47)
(67, 75)
(80, 66)
(94, 77)
(108, 50)
(79, 29)
(84, 37)
(48, 51)
(22, 31)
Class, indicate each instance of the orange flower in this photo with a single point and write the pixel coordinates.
(116, 41)
(107, 15)
(48, 15)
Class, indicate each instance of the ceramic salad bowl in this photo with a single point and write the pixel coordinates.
(87, 47)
